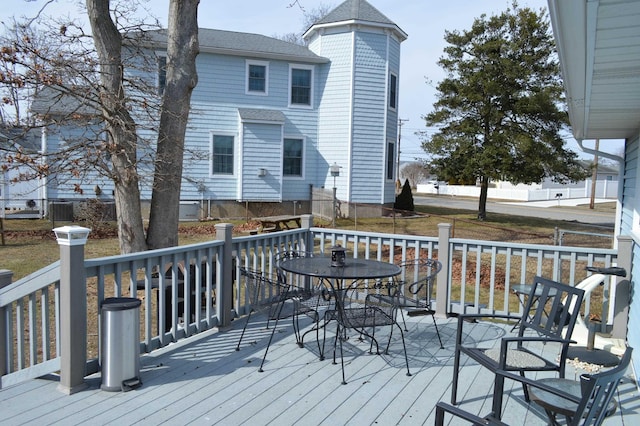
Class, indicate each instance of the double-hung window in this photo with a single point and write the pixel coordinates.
(257, 77)
(393, 91)
(301, 92)
(222, 155)
(292, 157)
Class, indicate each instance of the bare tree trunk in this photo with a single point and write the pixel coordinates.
(482, 204)
(120, 127)
(182, 49)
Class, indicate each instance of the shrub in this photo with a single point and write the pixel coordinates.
(404, 200)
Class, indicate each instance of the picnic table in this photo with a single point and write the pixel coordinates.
(278, 223)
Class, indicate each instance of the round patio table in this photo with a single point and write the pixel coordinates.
(354, 269)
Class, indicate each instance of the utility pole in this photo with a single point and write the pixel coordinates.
(401, 122)
(594, 177)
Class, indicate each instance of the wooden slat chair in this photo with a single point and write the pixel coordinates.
(549, 316)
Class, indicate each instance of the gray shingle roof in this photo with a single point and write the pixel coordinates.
(29, 139)
(244, 44)
(52, 100)
(359, 10)
(255, 114)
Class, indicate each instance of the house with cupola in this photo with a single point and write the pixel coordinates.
(270, 118)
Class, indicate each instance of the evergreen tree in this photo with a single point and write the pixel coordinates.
(501, 108)
(404, 200)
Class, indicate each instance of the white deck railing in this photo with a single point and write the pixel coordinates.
(476, 275)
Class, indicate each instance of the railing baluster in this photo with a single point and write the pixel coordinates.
(497, 260)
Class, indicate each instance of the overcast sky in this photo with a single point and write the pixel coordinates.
(423, 20)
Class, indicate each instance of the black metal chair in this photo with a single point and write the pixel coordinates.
(363, 314)
(585, 402)
(414, 290)
(549, 316)
(267, 296)
(309, 299)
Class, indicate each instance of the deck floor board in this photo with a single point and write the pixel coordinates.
(203, 380)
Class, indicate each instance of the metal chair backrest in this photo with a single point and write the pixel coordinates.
(598, 391)
(288, 254)
(262, 291)
(417, 273)
(551, 309)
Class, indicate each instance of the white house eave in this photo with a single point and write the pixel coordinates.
(401, 35)
(266, 55)
(568, 20)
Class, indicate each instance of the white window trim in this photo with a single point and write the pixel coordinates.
(304, 151)
(265, 64)
(235, 155)
(311, 95)
(389, 91)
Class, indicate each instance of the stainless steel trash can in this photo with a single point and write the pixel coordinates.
(120, 346)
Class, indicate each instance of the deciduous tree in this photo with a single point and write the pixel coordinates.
(92, 81)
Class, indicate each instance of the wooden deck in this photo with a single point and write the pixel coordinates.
(203, 380)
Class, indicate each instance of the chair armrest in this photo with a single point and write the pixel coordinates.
(442, 407)
(534, 383)
(462, 318)
(507, 340)
(467, 317)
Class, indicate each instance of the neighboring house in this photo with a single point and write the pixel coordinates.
(271, 117)
(599, 49)
(17, 193)
(606, 187)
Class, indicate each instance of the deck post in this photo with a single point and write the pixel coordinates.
(442, 283)
(621, 291)
(224, 289)
(6, 278)
(306, 223)
(73, 308)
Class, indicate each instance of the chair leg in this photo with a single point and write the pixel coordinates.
(344, 380)
(404, 323)
(243, 330)
(498, 390)
(435, 324)
(454, 382)
(525, 389)
(264, 357)
(273, 331)
(296, 329)
(404, 348)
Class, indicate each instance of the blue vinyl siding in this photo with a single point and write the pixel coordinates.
(334, 112)
(369, 126)
(349, 122)
(629, 203)
(68, 186)
(261, 148)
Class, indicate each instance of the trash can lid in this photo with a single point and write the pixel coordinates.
(120, 303)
